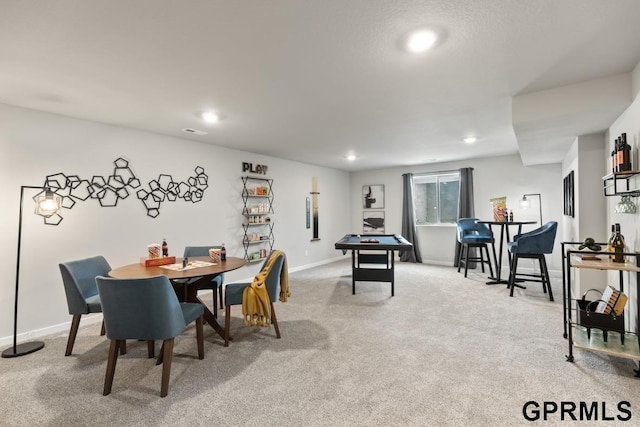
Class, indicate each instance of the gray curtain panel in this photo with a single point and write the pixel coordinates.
(465, 206)
(408, 220)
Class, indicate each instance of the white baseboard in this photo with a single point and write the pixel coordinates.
(61, 328)
(437, 262)
(299, 268)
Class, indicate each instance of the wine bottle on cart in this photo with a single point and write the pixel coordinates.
(618, 245)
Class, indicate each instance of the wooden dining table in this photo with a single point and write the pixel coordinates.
(182, 279)
(504, 232)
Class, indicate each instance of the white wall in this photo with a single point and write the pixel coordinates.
(628, 122)
(585, 159)
(571, 230)
(493, 177)
(35, 144)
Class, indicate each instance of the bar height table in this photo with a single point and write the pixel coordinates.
(504, 229)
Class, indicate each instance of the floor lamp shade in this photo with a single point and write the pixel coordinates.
(524, 203)
(47, 205)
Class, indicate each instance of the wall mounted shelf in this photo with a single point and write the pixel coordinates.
(257, 199)
(617, 184)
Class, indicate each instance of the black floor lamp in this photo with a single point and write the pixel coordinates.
(47, 205)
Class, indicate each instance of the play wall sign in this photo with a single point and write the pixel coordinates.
(251, 168)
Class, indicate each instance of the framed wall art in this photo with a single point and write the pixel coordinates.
(373, 196)
(569, 195)
(373, 222)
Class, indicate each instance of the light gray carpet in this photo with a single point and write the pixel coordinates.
(445, 351)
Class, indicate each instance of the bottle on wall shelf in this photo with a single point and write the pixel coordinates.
(223, 253)
(625, 149)
(165, 248)
(619, 161)
(618, 245)
(616, 157)
(621, 155)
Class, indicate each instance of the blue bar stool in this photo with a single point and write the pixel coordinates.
(533, 245)
(471, 234)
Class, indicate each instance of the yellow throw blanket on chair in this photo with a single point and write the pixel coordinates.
(256, 304)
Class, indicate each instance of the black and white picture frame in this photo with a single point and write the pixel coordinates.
(373, 196)
(373, 222)
(569, 195)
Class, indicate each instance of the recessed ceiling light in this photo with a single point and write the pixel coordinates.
(210, 117)
(470, 139)
(421, 41)
(351, 157)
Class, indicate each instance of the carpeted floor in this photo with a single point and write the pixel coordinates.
(445, 351)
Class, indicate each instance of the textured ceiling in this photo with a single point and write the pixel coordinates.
(313, 80)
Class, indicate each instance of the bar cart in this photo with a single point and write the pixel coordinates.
(583, 327)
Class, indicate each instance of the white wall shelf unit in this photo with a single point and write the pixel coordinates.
(257, 199)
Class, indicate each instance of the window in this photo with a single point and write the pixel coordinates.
(436, 198)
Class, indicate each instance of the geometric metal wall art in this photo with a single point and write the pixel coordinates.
(166, 189)
(109, 190)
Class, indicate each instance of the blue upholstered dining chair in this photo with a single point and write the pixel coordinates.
(146, 309)
(534, 245)
(472, 234)
(79, 279)
(216, 282)
(233, 294)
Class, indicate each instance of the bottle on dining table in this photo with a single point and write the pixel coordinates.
(165, 248)
(223, 253)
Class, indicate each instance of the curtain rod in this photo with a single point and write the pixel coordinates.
(438, 172)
